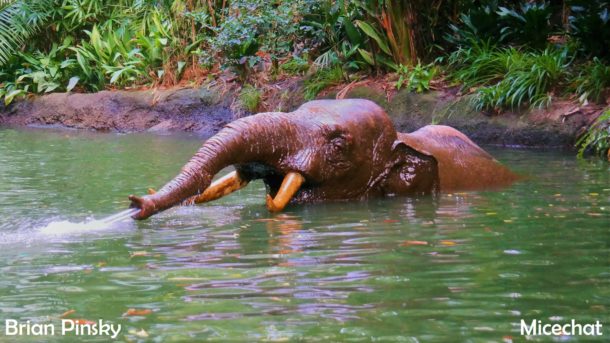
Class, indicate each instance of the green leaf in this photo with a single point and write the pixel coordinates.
(352, 33)
(30, 59)
(371, 32)
(116, 75)
(72, 83)
(83, 64)
(193, 45)
(11, 95)
(366, 56)
(66, 63)
(400, 81)
(49, 86)
(383, 60)
(181, 65)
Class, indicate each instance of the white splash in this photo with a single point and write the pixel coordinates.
(64, 227)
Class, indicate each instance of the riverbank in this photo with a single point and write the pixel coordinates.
(204, 110)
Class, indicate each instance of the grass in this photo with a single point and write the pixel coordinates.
(592, 81)
(250, 98)
(597, 137)
(295, 66)
(509, 78)
(322, 79)
(481, 64)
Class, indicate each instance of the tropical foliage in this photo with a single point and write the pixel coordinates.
(597, 138)
(590, 26)
(321, 79)
(526, 24)
(417, 78)
(593, 81)
(509, 78)
(509, 53)
(137, 42)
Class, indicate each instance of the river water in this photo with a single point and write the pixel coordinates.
(464, 267)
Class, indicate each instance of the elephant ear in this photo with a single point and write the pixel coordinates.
(412, 171)
(401, 152)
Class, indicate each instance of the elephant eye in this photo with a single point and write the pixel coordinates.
(336, 153)
(337, 148)
(338, 143)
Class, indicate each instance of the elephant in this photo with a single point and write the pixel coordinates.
(328, 150)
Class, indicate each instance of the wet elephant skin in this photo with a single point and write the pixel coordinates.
(342, 150)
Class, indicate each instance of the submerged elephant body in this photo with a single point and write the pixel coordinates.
(462, 165)
(328, 150)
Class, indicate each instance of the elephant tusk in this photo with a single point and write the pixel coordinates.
(219, 188)
(290, 185)
(151, 191)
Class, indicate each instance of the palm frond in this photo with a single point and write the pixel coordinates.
(4, 3)
(19, 21)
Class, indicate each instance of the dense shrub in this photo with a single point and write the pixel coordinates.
(252, 26)
(509, 78)
(417, 78)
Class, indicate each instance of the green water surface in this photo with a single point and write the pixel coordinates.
(463, 267)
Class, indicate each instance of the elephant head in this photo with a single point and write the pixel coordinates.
(325, 150)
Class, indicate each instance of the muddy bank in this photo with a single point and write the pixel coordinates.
(194, 110)
(204, 111)
(558, 126)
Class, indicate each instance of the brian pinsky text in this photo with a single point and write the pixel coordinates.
(67, 327)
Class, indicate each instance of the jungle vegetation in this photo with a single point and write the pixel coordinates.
(508, 53)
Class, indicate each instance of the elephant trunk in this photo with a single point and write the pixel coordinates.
(252, 139)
